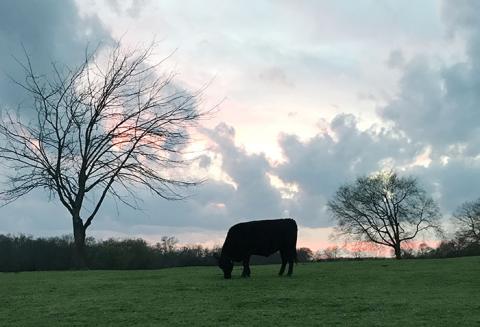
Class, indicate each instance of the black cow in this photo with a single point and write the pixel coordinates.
(261, 237)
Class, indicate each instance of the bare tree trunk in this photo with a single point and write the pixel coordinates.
(398, 251)
(79, 249)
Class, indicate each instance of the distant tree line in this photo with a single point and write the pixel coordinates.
(26, 253)
(446, 249)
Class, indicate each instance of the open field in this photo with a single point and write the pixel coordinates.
(442, 292)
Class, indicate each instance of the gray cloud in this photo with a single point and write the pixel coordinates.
(254, 196)
(396, 59)
(453, 183)
(352, 152)
(438, 102)
(50, 31)
(33, 214)
(436, 105)
(320, 165)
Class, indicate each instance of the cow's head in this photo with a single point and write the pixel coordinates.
(226, 265)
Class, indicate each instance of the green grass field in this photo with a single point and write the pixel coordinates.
(442, 292)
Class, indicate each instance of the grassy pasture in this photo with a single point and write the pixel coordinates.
(442, 292)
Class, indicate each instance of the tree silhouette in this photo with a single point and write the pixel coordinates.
(385, 209)
(467, 220)
(100, 129)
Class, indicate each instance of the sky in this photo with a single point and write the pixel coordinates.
(310, 95)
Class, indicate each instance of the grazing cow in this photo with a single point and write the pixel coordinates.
(261, 237)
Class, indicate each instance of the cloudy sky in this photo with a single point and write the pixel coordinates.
(312, 94)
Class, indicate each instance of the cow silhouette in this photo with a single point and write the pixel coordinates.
(259, 237)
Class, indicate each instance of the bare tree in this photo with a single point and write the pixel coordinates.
(423, 249)
(167, 244)
(467, 220)
(100, 129)
(384, 209)
(304, 254)
(329, 253)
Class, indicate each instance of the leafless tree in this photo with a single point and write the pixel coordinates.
(467, 220)
(329, 253)
(167, 244)
(100, 129)
(384, 209)
(304, 254)
(423, 249)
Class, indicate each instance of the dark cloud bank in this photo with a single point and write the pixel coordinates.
(434, 115)
(49, 31)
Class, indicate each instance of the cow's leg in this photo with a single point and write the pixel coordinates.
(291, 259)
(284, 263)
(290, 267)
(246, 267)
